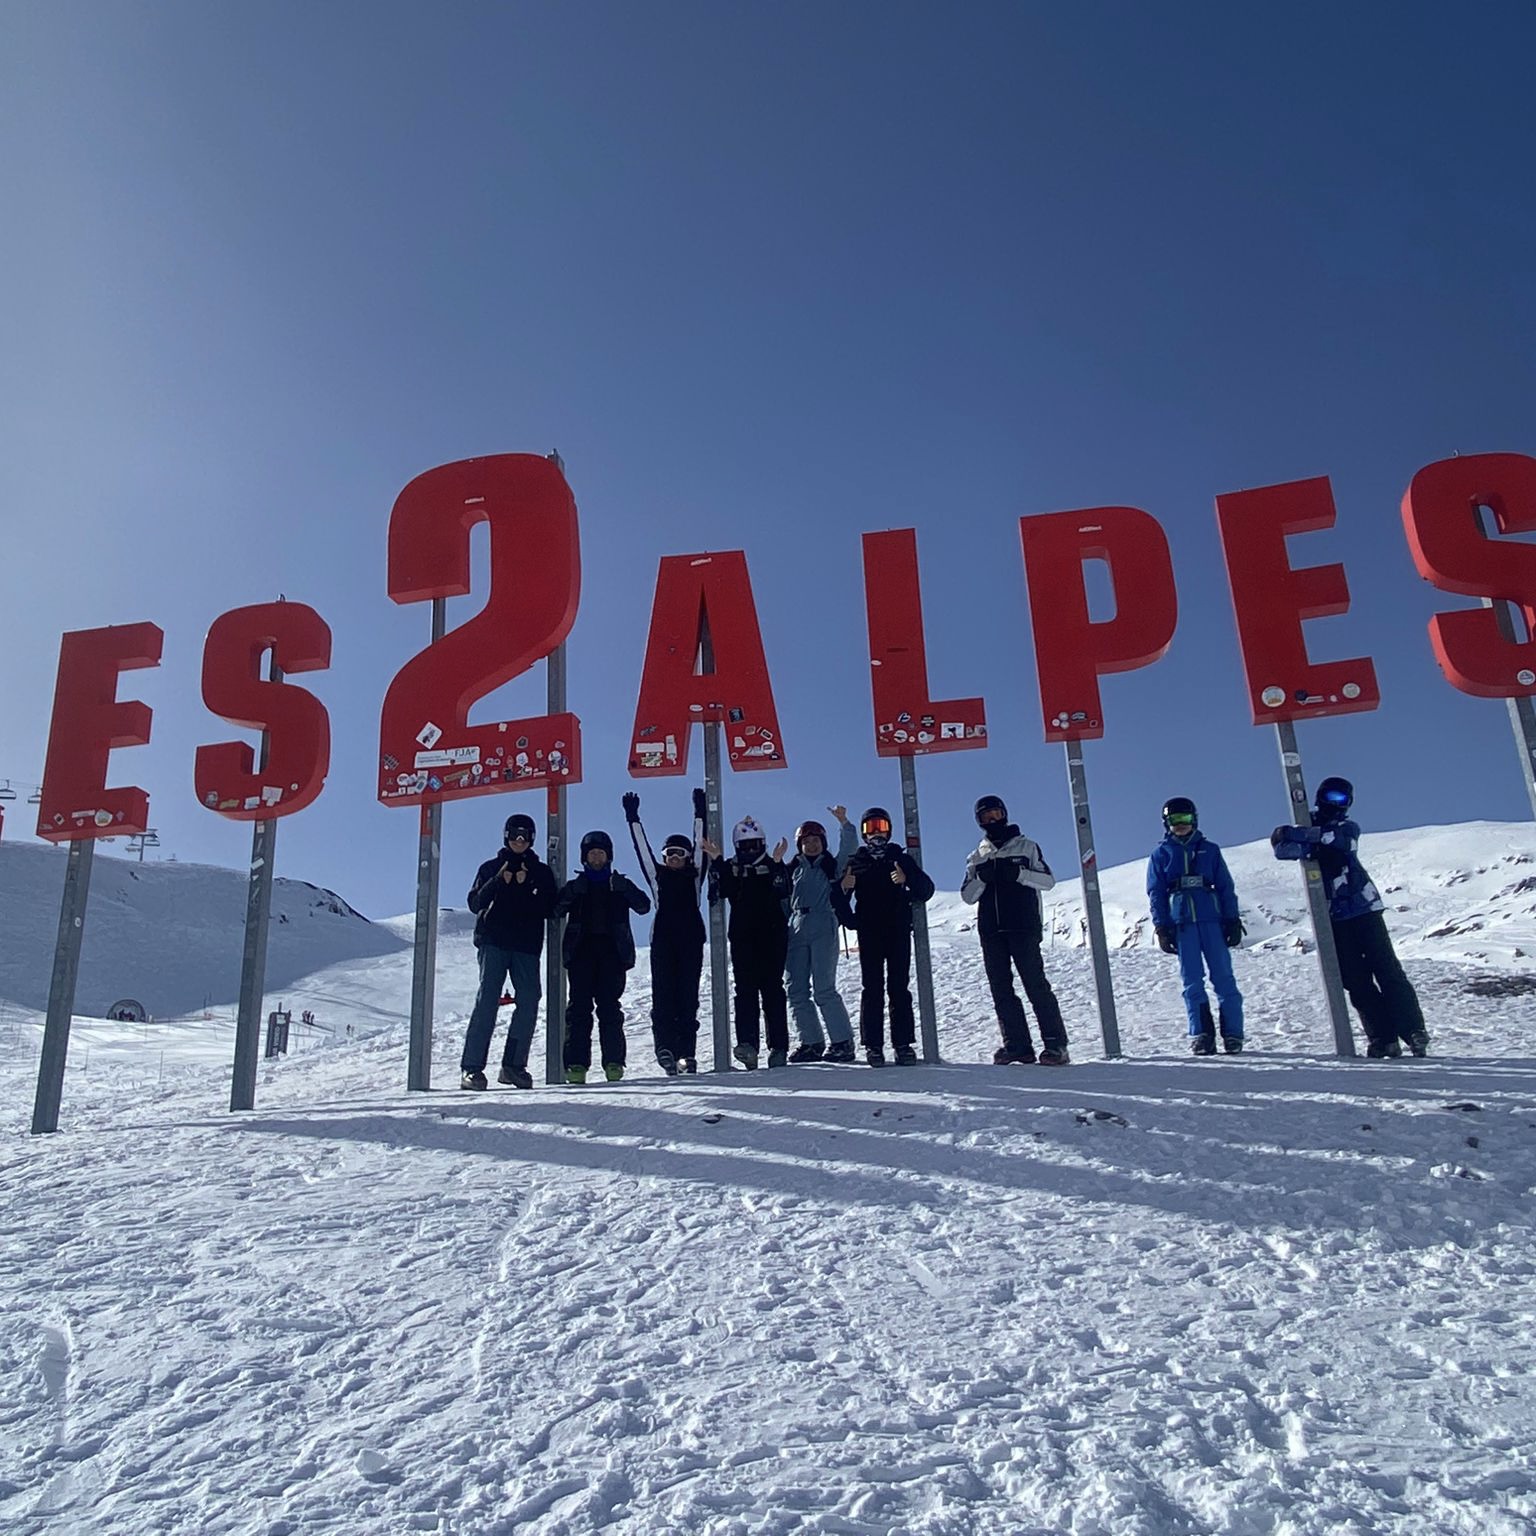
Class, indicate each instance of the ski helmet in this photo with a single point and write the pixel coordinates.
(518, 825)
(748, 840)
(875, 826)
(1180, 811)
(678, 843)
(591, 840)
(1335, 796)
(811, 829)
(989, 803)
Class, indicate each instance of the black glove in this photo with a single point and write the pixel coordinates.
(631, 806)
(700, 806)
(1167, 941)
(1278, 836)
(1232, 931)
(986, 871)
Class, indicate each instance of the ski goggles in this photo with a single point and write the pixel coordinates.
(676, 851)
(1181, 819)
(1335, 797)
(876, 826)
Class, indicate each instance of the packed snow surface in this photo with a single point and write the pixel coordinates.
(1276, 1293)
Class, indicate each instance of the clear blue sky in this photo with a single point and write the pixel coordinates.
(767, 277)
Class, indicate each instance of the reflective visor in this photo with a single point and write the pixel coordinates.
(877, 825)
(1181, 819)
(1335, 797)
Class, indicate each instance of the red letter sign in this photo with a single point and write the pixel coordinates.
(1271, 600)
(1445, 533)
(907, 721)
(1071, 651)
(88, 723)
(297, 726)
(699, 596)
(427, 749)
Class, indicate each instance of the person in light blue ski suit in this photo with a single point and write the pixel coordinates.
(1194, 913)
(816, 901)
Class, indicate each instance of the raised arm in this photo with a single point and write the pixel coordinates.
(642, 843)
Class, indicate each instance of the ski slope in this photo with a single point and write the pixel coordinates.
(1268, 1294)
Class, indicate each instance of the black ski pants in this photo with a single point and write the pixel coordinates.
(757, 968)
(677, 960)
(1373, 976)
(885, 968)
(1000, 953)
(594, 979)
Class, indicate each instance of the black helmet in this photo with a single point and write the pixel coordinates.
(810, 829)
(875, 825)
(989, 803)
(1180, 806)
(677, 840)
(593, 840)
(518, 824)
(1334, 796)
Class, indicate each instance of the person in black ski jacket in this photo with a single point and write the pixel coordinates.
(1003, 881)
(512, 897)
(677, 934)
(882, 882)
(1368, 965)
(756, 887)
(597, 950)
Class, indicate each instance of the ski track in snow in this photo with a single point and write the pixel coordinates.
(1287, 1295)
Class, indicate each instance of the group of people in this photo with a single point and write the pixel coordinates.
(785, 914)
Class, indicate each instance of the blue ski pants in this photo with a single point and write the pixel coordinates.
(496, 965)
(810, 977)
(1202, 948)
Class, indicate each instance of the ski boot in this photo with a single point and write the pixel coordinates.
(747, 1056)
(906, 1056)
(1055, 1056)
(806, 1053)
(473, 1080)
(686, 1066)
(778, 1058)
(514, 1077)
(1203, 1045)
(1418, 1042)
(874, 1058)
(667, 1062)
(613, 1071)
(1232, 1044)
(841, 1051)
(1005, 1056)
(1384, 1050)
(575, 1074)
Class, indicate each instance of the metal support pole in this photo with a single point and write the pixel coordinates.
(719, 972)
(61, 989)
(1093, 907)
(253, 958)
(424, 958)
(554, 970)
(1317, 897)
(1522, 712)
(927, 1015)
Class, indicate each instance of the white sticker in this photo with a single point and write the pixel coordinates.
(1525, 677)
(429, 735)
(1291, 759)
(271, 793)
(1350, 690)
(103, 818)
(432, 759)
(1272, 697)
(952, 730)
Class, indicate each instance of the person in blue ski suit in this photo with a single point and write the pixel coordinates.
(1195, 916)
(1368, 965)
(816, 904)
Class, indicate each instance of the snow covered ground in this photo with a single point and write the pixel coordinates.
(1269, 1294)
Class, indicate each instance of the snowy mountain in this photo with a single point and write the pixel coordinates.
(1274, 1293)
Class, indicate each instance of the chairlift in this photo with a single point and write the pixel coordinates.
(6, 792)
(36, 797)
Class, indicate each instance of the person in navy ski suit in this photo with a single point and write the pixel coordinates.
(756, 887)
(883, 883)
(1368, 965)
(677, 934)
(1195, 916)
